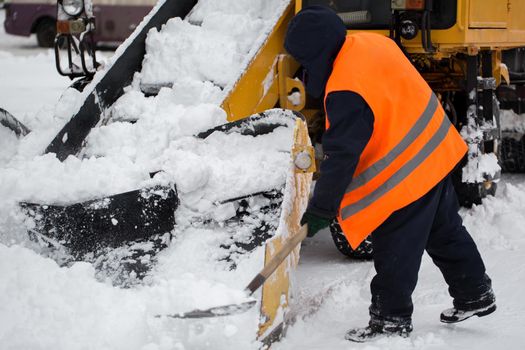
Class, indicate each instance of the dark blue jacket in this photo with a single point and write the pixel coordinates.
(314, 38)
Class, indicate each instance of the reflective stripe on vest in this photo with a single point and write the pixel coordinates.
(412, 135)
(413, 145)
(402, 173)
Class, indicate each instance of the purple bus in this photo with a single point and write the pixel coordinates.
(114, 19)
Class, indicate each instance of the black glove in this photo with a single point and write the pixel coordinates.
(315, 223)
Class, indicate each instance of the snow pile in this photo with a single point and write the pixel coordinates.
(46, 84)
(43, 306)
(68, 307)
(191, 273)
(214, 44)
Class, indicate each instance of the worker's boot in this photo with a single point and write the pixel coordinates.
(380, 327)
(484, 305)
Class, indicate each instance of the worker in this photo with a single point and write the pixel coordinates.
(389, 150)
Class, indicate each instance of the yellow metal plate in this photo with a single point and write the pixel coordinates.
(488, 14)
(276, 290)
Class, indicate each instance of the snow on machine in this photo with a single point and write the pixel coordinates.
(239, 179)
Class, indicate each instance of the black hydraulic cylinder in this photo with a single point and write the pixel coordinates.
(472, 78)
(486, 72)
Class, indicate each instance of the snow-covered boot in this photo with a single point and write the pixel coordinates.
(380, 328)
(484, 305)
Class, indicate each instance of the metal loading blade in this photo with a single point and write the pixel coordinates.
(225, 310)
(256, 282)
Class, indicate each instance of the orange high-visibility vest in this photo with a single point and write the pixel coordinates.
(413, 145)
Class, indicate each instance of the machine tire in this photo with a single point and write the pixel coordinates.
(45, 32)
(363, 252)
(513, 154)
(470, 194)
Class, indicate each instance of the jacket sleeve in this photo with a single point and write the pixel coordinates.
(351, 125)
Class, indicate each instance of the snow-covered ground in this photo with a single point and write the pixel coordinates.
(44, 306)
(28, 77)
(334, 293)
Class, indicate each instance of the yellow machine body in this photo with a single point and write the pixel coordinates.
(267, 82)
(481, 24)
(494, 24)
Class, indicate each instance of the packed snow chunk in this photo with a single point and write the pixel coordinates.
(184, 50)
(188, 170)
(131, 106)
(263, 9)
(160, 121)
(214, 44)
(481, 168)
(47, 180)
(192, 92)
(295, 98)
(232, 164)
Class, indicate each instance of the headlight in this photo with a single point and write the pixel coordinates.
(73, 7)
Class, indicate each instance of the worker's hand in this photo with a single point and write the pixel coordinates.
(315, 223)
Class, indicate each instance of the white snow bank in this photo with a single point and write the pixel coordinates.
(44, 83)
(498, 223)
(196, 56)
(49, 300)
(161, 122)
(43, 306)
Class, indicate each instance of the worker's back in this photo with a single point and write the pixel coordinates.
(413, 145)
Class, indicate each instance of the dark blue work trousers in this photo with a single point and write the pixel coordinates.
(431, 223)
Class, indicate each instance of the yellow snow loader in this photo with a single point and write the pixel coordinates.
(457, 46)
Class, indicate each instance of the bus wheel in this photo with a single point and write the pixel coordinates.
(45, 32)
